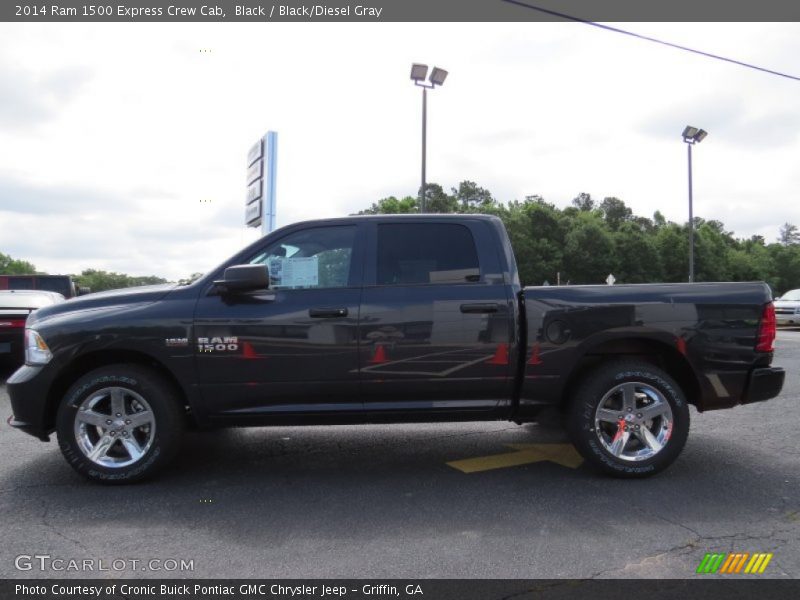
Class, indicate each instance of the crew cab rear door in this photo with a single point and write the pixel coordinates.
(292, 348)
(437, 322)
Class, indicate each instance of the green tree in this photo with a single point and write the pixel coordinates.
(637, 256)
(438, 201)
(99, 281)
(750, 261)
(672, 243)
(537, 236)
(712, 243)
(392, 206)
(588, 250)
(789, 235)
(583, 202)
(586, 240)
(11, 266)
(786, 266)
(470, 197)
(615, 212)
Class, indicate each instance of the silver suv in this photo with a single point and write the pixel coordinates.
(787, 308)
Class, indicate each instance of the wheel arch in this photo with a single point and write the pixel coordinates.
(97, 359)
(655, 352)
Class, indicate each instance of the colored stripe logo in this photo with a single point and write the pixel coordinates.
(734, 562)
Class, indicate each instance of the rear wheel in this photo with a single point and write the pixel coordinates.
(629, 419)
(119, 424)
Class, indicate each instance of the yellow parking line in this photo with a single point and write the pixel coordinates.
(563, 454)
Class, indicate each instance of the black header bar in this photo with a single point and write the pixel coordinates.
(371, 11)
(708, 588)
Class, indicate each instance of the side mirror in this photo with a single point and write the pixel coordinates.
(82, 290)
(243, 278)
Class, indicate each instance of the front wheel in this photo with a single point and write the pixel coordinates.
(119, 424)
(629, 419)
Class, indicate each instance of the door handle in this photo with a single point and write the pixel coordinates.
(487, 307)
(327, 313)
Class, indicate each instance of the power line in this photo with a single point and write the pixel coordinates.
(649, 39)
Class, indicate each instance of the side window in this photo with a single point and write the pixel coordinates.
(410, 253)
(20, 283)
(311, 258)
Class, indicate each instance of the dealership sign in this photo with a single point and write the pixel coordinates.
(260, 180)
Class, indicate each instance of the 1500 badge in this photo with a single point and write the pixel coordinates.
(218, 344)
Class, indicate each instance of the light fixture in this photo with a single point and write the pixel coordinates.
(693, 135)
(418, 72)
(438, 76)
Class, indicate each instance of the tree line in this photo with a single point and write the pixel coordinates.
(582, 243)
(94, 279)
(588, 240)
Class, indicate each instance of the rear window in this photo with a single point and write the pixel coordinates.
(436, 253)
(20, 283)
(62, 286)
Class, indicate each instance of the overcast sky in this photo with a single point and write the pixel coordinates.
(122, 146)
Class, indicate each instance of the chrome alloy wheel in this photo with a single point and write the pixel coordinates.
(633, 421)
(114, 427)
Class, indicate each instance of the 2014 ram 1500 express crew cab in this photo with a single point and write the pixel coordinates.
(389, 319)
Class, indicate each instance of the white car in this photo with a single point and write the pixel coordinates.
(787, 308)
(15, 306)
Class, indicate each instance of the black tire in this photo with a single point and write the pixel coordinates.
(652, 387)
(144, 395)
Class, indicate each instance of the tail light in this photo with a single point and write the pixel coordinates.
(12, 323)
(767, 329)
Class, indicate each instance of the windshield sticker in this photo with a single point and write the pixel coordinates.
(294, 272)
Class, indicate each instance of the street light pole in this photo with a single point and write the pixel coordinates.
(692, 136)
(691, 219)
(418, 73)
(424, 146)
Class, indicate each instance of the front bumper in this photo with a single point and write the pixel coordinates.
(787, 319)
(764, 384)
(28, 389)
(28, 428)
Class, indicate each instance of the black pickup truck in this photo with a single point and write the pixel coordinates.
(389, 319)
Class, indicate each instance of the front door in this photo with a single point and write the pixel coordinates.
(292, 348)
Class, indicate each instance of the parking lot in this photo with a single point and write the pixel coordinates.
(381, 501)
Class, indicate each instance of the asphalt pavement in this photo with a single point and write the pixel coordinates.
(381, 501)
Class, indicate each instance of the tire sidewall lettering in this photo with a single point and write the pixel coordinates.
(166, 413)
(582, 419)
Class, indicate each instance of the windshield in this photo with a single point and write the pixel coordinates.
(792, 295)
(191, 279)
